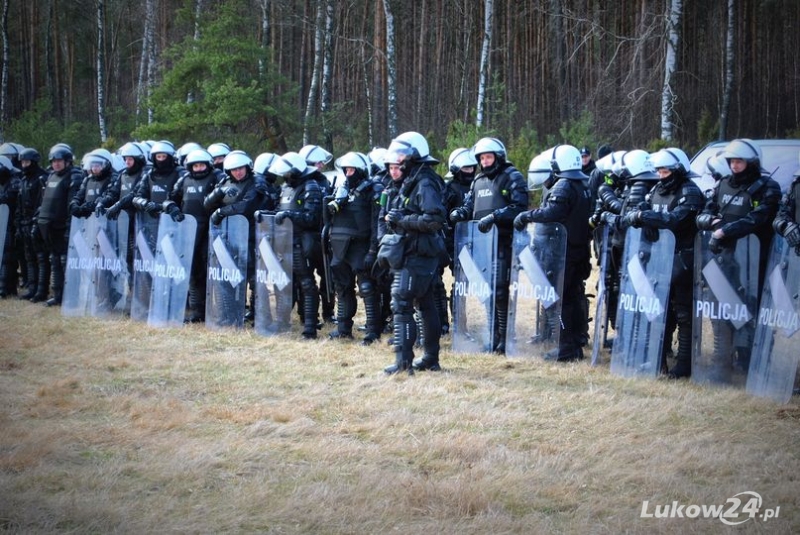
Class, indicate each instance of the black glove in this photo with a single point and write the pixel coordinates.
(333, 207)
(394, 216)
(486, 223)
(75, 210)
(632, 219)
(715, 245)
(283, 214)
(259, 215)
(522, 220)
(609, 218)
(595, 220)
(458, 215)
(369, 260)
(231, 192)
(113, 211)
(705, 221)
(792, 234)
(153, 208)
(174, 212)
(99, 210)
(36, 234)
(217, 217)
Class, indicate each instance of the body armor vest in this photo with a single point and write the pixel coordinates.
(735, 203)
(355, 218)
(161, 185)
(55, 200)
(488, 195)
(194, 192)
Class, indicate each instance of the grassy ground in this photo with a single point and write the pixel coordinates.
(111, 426)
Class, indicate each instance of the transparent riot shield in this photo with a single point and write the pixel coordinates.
(725, 305)
(111, 270)
(473, 290)
(773, 363)
(601, 238)
(4, 215)
(173, 264)
(273, 309)
(643, 302)
(537, 280)
(80, 272)
(226, 289)
(144, 261)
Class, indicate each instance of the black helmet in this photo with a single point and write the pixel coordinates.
(61, 151)
(30, 154)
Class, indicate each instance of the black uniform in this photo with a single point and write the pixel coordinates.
(788, 219)
(416, 213)
(500, 194)
(31, 188)
(568, 202)
(325, 300)
(742, 204)
(351, 230)
(9, 191)
(301, 202)
(189, 195)
(674, 204)
(54, 222)
(238, 197)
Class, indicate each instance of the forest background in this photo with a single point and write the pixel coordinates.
(273, 75)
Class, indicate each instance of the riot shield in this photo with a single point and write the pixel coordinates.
(4, 215)
(643, 302)
(773, 363)
(80, 272)
(111, 269)
(537, 280)
(144, 261)
(601, 238)
(173, 264)
(473, 290)
(725, 304)
(226, 289)
(273, 309)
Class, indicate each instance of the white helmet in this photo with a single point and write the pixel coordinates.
(636, 165)
(314, 154)
(263, 161)
(461, 157)
(198, 156)
(185, 149)
(743, 149)
(290, 164)
(718, 167)
(161, 147)
(414, 146)
(133, 150)
(565, 161)
(489, 144)
(673, 159)
(236, 159)
(98, 157)
(218, 149)
(5, 163)
(539, 171)
(376, 159)
(606, 163)
(356, 160)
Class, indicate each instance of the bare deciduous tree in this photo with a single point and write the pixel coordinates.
(484, 69)
(670, 66)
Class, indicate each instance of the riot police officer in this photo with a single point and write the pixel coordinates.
(90, 196)
(301, 203)
(152, 192)
(567, 201)
(351, 232)
(237, 194)
(188, 197)
(54, 218)
(317, 158)
(498, 195)
(30, 197)
(415, 214)
(9, 191)
(673, 204)
(787, 222)
(744, 203)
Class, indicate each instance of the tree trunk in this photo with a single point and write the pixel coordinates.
(198, 11)
(484, 71)
(670, 66)
(144, 81)
(101, 67)
(311, 102)
(265, 36)
(730, 55)
(327, 70)
(4, 75)
(391, 93)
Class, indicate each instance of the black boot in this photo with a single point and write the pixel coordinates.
(43, 278)
(58, 264)
(405, 332)
(310, 299)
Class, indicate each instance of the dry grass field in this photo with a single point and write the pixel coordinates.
(111, 426)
